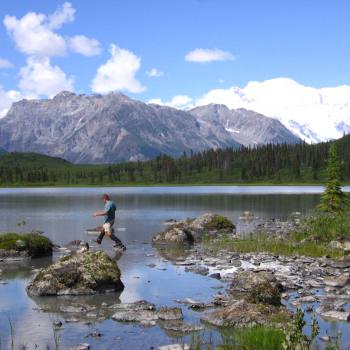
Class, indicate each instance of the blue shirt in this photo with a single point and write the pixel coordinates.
(110, 208)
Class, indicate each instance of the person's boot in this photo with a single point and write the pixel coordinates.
(100, 238)
(117, 241)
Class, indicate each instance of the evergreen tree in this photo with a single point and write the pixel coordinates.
(333, 199)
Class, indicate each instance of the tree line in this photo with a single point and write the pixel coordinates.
(273, 163)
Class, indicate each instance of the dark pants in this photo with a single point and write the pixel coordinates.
(112, 236)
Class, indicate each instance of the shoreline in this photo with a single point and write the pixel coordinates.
(255, 184)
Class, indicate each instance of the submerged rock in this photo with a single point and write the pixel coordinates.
(87, 273)
(145, 313)
(175, 347)
(189, 231)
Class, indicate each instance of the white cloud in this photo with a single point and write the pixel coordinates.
(84, 45)
(313, 114)
(118, 73)
(61, 16)
(40, 78)
(208, 55)
(5, 63)
(178, 101)
(6, 99)
(33, 35)
(154, 73)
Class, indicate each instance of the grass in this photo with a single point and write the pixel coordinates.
(257, 338)
(35, 244)
(324, 227)
(311, 239)
(281, 247)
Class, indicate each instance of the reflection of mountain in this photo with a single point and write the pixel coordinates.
(81, 308)
(22, 269)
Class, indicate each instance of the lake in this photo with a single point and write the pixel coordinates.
(64, 214)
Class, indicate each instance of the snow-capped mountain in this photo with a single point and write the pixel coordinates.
(312, 114)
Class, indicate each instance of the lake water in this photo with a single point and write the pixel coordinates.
(64, 214)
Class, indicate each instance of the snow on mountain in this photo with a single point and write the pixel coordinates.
(312, 114)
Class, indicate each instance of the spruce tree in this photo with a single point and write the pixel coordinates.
(333, 199)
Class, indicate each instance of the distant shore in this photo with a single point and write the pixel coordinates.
(202, 184)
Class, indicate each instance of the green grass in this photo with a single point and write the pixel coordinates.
(324, 227)
(35, 244)
(281, 247)
(257, 338)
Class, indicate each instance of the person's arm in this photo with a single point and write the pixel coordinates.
(100, 213)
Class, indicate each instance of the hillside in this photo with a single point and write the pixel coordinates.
(278, 163)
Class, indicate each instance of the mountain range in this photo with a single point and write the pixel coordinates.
(114, 128)
(313, 114)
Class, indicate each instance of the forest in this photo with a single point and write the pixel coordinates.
(268, 164)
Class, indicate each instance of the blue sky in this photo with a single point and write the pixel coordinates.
(305, 40)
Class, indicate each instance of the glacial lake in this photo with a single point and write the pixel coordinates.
(64, 214)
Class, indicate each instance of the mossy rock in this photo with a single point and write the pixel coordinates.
(30, 244)
(80, 274)
(194, 230)
(265, 293)
(219, 222)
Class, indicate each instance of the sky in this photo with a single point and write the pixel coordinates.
(168, 51)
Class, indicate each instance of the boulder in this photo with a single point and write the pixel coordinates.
(265, 293)
(245, 281)
(339, 281)
(86, 273)
(244, 313)
(193, 230)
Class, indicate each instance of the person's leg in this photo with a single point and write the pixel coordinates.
(114, 238)
(101, 235)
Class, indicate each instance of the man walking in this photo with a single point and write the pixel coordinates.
(107, 228)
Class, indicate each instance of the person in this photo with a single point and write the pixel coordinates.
(107, 227)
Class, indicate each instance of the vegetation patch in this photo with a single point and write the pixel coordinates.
(34, 244)
(267, 244)
(219, 222)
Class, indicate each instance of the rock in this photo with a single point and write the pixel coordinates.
(57, 324)
(265, 293)
(242, 313)
(201, 270)
(342, 244)
(247, 215)
(14, 245)
(175, 347)
(145, 313)
(95, 334)
(215, 275)
(189, 231)
(82, 346)
(337, 315)
(339, 281)
(245, 281)
(169, 313)
(87, 273)
(73, 309)
(180, 327)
